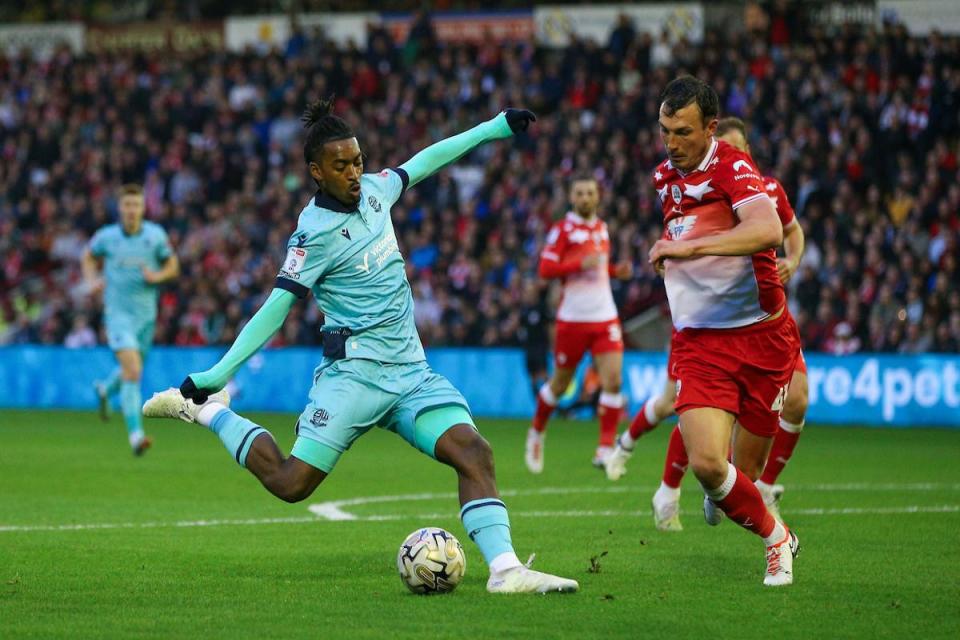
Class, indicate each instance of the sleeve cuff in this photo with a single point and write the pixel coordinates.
(404, 178)
(748, 199)
(295, 288)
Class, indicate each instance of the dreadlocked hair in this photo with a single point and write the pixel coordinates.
(322, 127)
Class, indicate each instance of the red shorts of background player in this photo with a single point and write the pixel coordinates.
(575, 338)
(801, 364)
(744, 371)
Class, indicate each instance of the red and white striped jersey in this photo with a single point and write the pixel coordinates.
(719, 292)
(586, 294)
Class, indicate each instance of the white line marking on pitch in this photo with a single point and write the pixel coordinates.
(334, 510)
(944, 508)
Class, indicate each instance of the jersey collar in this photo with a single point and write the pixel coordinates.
(325, 201)
(712, 151)
(574, 217)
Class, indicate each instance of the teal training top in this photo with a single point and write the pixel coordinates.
(124, 258)
(349, 258)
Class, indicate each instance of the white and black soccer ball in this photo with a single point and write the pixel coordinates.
(431, 560)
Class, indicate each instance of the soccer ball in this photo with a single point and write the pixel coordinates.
(431, 560)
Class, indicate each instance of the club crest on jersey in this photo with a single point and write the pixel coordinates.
(676, 193)
(374, 204)
(320, 418)
(679, 226)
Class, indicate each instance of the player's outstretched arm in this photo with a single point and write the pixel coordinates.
(759, 229)
(448, 151)
(265, 322)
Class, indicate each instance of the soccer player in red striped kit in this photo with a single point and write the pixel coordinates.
(577, 250)
(736, 344)
(666, 501)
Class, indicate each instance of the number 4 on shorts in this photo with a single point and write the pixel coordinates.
(779, 400)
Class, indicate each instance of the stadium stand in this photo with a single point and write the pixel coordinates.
(861, 126)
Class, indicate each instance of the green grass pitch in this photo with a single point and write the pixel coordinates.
(184, 544)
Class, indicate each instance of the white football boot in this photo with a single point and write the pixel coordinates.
(601, 455)
(534, 451)
(666, 514)
(711, 512)
(616, 463)
(771, 494)
(172, 404)
(522, 579)
(780, 561)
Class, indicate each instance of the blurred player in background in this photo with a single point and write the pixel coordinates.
(658, 408)
(534, 335)
(374, 371)
(736, 344)
(135, 256)
(577, 251)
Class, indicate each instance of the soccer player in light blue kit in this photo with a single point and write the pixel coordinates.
(136, 257)
(373, 372)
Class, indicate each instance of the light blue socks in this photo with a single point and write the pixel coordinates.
(488, 525)
(130, 407)
(236, 433)
(111, 384)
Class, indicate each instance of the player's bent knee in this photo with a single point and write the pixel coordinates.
(711, 471)
(468, 452)
(294, 481)
(795, 407)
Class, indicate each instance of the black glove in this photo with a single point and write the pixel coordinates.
(190, 391)
(519, 119)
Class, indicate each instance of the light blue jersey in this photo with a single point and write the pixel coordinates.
(349, 258)
(125, 256)
(130, 303)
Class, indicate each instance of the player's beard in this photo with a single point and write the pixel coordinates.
(586, 212)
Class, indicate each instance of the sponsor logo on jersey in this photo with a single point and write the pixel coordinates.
(294, 263)
(374, 204)
(679, 226)
(579, 236)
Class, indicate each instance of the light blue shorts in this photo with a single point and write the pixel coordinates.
(351, 396)
(125, 332)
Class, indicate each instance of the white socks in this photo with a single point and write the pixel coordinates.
(504, 561)
(725, 487)
(208, 411)
(777, 535)
(666, 493)
(791, 427)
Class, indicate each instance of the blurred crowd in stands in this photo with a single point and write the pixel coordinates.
(860, 125)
